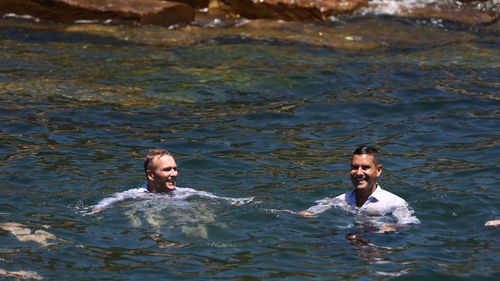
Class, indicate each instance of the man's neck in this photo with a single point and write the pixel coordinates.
(151, 188)
(361, 197)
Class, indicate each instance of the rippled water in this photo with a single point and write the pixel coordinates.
(271, 112)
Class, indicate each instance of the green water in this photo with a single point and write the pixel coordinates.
(265, 109)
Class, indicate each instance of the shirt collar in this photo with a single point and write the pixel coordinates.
(374, 197)
(376, 194)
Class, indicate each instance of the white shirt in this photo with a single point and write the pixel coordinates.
(381, 202)
(180, 193)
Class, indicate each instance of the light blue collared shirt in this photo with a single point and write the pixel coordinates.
(380, 202)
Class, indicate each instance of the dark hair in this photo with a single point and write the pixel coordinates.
(370, 150)
(154, 152)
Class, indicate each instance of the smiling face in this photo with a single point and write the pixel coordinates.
(162, 174)
(364, 173)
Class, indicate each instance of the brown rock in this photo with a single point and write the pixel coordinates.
(464, 15)
(198, 4)
(292, 10)
(141, 11)
(472, 1)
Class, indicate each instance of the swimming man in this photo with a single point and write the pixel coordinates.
(161, 176)
(367, 196)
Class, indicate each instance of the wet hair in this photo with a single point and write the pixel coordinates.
(154, 152)
(369, 150)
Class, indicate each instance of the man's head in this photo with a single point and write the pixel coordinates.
(161, 170)
(365, 169)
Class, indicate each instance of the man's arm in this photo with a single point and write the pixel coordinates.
(404, 216)
(321, 206)
(93, 211)
(120, 196)
(233, 201)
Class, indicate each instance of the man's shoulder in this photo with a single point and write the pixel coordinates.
(389, 196)
(344, 195)
(348, 197)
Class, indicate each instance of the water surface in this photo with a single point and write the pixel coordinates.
(272, 112)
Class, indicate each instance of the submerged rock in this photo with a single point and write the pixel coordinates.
(20, 275)
(24, 234)
(141, 11)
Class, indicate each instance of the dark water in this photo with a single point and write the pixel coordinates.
(271, 112)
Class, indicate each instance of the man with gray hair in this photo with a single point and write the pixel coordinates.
(161, 173)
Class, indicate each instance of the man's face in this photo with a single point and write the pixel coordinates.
(364, 172)
(163, 173)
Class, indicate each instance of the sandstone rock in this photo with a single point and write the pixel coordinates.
(291, 10)
(467, 13)
(198, 4)
(463, 15)
(471, 1)
(141, 11)
(24, 234)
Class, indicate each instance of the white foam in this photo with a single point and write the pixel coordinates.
(24, 17)
(180, 193)
(395, 7)
(400, 215)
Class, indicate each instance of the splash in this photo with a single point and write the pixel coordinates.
(394, 7)
(163, 212)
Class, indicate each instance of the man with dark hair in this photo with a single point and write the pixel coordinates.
(367, 195)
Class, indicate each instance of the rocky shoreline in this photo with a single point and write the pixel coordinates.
(181, 12)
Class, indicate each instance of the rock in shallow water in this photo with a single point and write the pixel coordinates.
(171, 12)
(20, 275)
(293, 10)
(141, 11)
(24, 234)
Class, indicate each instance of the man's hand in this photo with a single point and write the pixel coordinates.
(387, 228)
(305, 213)
(492, 223)
(93, 211)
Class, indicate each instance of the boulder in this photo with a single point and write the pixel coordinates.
(465, 15)
(198, 4)
(140, 11)
(291, 10)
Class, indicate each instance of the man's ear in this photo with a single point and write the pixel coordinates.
(149, 175)
(379, 170)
